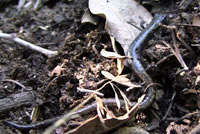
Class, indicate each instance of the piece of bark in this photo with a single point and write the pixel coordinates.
(16, 101)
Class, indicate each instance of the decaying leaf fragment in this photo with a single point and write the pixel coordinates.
(123, 18)
(56, 71)
(120, 79)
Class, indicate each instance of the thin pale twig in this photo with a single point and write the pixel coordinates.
(179, 57)
(29, 45)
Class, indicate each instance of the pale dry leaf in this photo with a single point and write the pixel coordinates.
(123, 18)
(120, 65)
(89, 17)
(197, 81)
(141, 99)
(116, 96)
(113, 44)
(125, 81)
(128, 89)
(197, 68)
(120, 62)
(108, 75)
(127, 103)
(100, 109)
(89, 91)
(120, 79)
(125, 100)
(113, 55)
(109, 114)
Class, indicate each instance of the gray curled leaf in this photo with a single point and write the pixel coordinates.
(123, 18)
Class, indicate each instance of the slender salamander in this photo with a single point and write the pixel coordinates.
(136, 48)
(82, 111)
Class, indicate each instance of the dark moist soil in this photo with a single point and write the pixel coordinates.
(57, 26)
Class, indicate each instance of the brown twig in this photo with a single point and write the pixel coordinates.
(190, 25)
(170, 106)
(163, 59)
